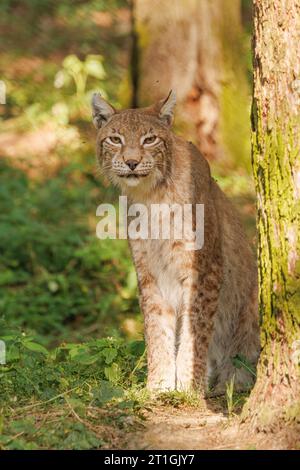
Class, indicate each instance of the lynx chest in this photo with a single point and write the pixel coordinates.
(164, 266)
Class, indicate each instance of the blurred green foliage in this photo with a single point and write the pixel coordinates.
(42, 42)
(65, 296)
(54, 273)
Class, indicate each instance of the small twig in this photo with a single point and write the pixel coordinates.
(14, 437)
(74, 412)
(34, 405)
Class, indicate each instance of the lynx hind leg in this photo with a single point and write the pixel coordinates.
(245, 344)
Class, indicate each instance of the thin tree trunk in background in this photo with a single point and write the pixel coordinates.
(134, 62)
(276, 166)
(197, 48)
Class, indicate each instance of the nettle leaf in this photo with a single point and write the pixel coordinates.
(72, 63)
(94, 67)
(80, 438)
(109, 354)
(106, 392)
(86, 359)
(127, 404)
(83, 356)
(137, 348)
(100, 342)
(12, 354)
(21, 444)
(35, 347)
(113, 373)
(76, 351)
(26, 425)
(8, 338)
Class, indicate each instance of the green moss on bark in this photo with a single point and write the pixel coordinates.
(276, 167)
(275, 156)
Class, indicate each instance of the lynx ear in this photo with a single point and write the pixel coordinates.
(101, 110)
(166, 108)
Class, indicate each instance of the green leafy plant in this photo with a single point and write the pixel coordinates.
(80, 375)
(78, 72)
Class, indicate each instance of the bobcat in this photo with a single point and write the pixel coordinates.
(199, 306)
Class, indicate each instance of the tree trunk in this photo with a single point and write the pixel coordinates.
(276, 166)
(197, 48)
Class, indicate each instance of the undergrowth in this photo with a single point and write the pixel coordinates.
(70, 396)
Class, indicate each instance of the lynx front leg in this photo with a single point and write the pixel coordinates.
(160, 325)
(160, 339)
(195, 331)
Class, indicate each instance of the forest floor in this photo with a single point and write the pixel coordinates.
(188, 428)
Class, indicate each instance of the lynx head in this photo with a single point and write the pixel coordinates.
(134, 145)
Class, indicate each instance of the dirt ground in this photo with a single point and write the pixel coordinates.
(191, 429)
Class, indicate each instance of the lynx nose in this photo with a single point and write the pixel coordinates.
(132, 164)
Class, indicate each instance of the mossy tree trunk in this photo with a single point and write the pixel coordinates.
(276, 166)
(197, 47)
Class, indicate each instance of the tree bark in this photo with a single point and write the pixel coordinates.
(276, 166)
(196, 47)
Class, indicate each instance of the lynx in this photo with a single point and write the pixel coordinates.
(199, 306)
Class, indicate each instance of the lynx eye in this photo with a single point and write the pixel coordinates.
(150, 140)
(114, 140)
